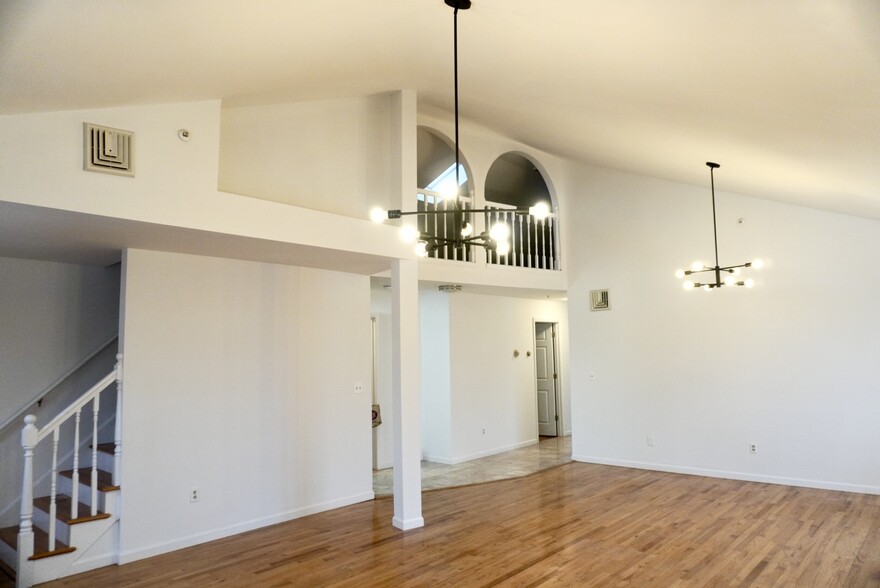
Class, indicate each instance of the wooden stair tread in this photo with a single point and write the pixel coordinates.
(63, 504)
(9, 535)
(105, 479)
(108, 448)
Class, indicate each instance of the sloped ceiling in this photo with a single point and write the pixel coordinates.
(785, 94)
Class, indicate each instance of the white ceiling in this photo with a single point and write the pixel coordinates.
(785, 94)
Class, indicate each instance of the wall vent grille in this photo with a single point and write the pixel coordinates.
(108, 150)
(599, 300)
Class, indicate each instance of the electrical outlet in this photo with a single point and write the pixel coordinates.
(194, 495)
(484, 430)
(358, 388)
(650, 440)
(753, 448)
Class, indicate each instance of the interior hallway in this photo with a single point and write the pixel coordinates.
(547, 453)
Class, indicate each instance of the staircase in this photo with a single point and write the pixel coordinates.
(73, 527)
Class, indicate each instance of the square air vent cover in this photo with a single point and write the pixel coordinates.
(108, 150)
(599, 300)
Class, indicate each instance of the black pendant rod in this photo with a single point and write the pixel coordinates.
(455, 75)
(712, 167)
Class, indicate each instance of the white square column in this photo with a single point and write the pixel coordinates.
(405, 367)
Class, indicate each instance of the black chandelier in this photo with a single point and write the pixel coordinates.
(733, 272)
(494, 238)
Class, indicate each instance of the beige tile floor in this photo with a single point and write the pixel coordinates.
(548, 452)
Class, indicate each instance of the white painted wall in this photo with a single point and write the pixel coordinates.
(51, 316)
(482, 385)
(436, 366)
(331, 155)
(383, 439)
(239, 381)
(791, 365)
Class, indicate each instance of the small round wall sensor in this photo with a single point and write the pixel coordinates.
(183, 135)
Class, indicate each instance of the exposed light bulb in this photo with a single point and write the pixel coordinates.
(758, 264)
(540, 211)
(687, 285)
(499, 231)
(730, 281)
(679, 273)
(409, 234)
(503, 248)
(750, 283)
(448, 190)
(707, 287)
(378, 215)
(422, 249)
(697, 266)
(467, 230)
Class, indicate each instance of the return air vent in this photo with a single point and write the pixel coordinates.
(108, 150)
(599, 300)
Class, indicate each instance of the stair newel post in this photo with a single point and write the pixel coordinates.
(117, 449)
(95, 406)
(53, 506)
(29, 436)
(74, 491)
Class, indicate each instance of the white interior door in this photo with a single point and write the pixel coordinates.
(545, 379)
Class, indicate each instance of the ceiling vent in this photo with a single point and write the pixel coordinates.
(599, 300)
(108, 150)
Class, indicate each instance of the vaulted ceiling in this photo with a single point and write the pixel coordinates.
(784, 93)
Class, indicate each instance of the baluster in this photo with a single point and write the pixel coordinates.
(518, 256)
(94, 455)
(29, 437)
(53, 506)
(117, 450)
(545, 244)
(74, 493)
(554, 263)
(529, 238)
(538, 243)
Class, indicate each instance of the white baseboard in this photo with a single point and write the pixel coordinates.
(478, 455)
(744, 476)
(407, 524)
(197, 538)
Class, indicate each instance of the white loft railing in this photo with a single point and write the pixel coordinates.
(533, 241)
(440, 225)
(31, 436)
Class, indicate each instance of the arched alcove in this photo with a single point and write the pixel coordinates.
(436, 162)
(515, 182)
(436, 177)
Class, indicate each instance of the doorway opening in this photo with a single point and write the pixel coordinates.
(547, 380)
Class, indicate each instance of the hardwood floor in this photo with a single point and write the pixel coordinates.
(573, 525)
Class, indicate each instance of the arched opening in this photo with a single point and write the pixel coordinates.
(514, 181)
(436, 177)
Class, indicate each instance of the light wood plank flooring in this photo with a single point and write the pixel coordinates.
(573, 525)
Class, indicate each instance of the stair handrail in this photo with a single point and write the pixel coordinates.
(17, 415)
(76, 405)
(31, 437)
